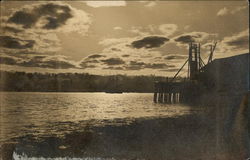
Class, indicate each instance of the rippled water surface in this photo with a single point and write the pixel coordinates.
(44, 114)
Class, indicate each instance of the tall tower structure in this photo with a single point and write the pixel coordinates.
(194, 61)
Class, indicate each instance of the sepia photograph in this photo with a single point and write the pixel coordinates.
(124, 80)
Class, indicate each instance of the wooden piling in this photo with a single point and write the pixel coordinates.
(156, 92)
(174, 97)
(171, 92)
(160, 97)
(169, 97)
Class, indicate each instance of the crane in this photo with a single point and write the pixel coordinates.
(211, 52)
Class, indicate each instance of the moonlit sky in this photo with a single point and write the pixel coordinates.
(117, 37)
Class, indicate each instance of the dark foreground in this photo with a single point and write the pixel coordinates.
(190, 137)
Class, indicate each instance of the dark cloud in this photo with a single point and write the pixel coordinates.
(185, 39)
(38, 57)
(92, 61)
(137, 63)
(158, 58)
(41, 61)
(94, 56)
(149, 42)
(193, 37)
(134, 65)
(15, 43)
(171, 57)
(54, 64)
(12, 29)
(156, 65)
(52, 15)
(125, 55)
(24, 18)
(114, 68)
(238, 42)
(7, 60)
(113, 61)
(115, 49)
(85, 65)
(57, 64)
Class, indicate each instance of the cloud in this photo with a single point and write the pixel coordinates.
(174, 57)
(116, 49)
(163, 30)
(126, 55)
(240, 40)
(135, 65)
(85, 65)
(168, 29)
(29, 42)
(144, 31)
(41, 61)
(222, 12)
(234, 45)
(34, 28)
(51, 16)
(46, 16)
(149, 42)
(193, 37)
(15, 43)
(92, 61)
(185, 39)
(156, 65)
(117, 28)
(114, 41)
(238, 9)
(11, 29)
(225, 11)
(113, 61)
(97, 4)
(138, 65)
(113, 68)
(94, 56)
(130, 58)
(8, 60)
(53, 62)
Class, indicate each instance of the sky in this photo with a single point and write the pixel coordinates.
(118, 37)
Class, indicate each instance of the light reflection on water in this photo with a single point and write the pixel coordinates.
(41, 114)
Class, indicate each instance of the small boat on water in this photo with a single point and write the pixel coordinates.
(114, 92)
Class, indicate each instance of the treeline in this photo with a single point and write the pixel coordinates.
(75, 82)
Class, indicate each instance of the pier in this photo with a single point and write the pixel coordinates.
(187, 90)
(176, 92)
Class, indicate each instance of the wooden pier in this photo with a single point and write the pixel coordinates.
(168, 92)
(187, 91)
(176, 92)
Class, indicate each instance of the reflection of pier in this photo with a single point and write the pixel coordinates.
(186, 91)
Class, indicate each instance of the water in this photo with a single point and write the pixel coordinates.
(46, 114)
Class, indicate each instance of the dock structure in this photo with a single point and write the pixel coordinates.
(172, 91)
(167, 92)
(176, 92)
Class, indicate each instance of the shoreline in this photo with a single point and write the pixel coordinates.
(203, 135)
(142, 139)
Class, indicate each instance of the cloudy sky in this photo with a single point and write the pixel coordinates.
(117, 37)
